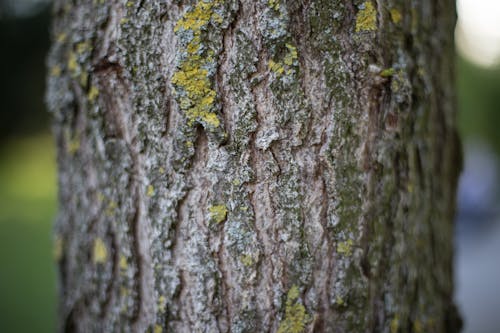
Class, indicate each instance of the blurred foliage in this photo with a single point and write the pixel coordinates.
(27, 176)
(27, 210)
(25, 41)
(479, 102)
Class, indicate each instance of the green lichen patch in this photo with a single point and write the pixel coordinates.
(366, 18)
(296, 317)
(218, 213)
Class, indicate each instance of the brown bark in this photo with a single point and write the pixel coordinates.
(255, 166)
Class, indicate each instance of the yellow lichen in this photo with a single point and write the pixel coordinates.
(345, 247)
(274, 4)
(61, 38)
(291, 56)
(124, 292)
(84, 78)
(276, 67)
(396, 16)
(57, 250)
(192, 77)
(73, 145)
(395, 324)
(217, 213)
(417, 326)
(55, 71)
(93, 93)
(289, 60)
(296, 317)
(110, 210)
(339, 300)
(158, 329)
(247, 260)
(72, 63)
(99, 252)
(123, 262)
(150, 191)
(366, 18)
(388, 72)
(162, 302)
(83, 47)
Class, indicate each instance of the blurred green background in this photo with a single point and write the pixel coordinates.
(27, 163)
(27, 174)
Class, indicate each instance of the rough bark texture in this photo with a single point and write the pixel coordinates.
(255, 165)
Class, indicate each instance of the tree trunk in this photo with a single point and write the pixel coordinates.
(255, 165)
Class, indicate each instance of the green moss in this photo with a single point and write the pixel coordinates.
(296, 317)
(217, 213)
(366, 18)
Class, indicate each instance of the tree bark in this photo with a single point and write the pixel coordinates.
(255, 165)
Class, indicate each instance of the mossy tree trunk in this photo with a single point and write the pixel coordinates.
(254, 165)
